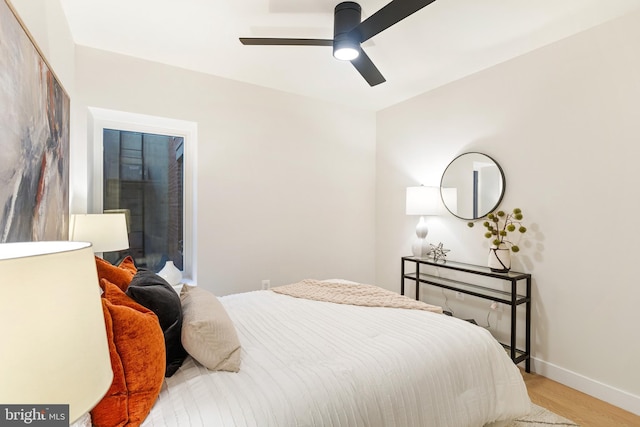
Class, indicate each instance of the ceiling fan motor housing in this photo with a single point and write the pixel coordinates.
(347, 16)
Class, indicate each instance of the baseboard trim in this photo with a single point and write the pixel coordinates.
(620, 398)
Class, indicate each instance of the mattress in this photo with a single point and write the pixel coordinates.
(312, 363)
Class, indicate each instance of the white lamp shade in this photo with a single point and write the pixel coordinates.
(423, 201)
(54, 340)
(106, 232)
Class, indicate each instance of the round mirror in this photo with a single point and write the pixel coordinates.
(472, 186)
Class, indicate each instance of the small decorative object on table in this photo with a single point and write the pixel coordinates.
(498, 226)
(438, 253)
(170, 273)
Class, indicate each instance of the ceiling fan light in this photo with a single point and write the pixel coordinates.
(346, 45)
(346, 53)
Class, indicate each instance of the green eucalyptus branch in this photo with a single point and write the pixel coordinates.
(499, 224)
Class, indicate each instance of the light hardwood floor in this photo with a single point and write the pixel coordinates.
(581, 408)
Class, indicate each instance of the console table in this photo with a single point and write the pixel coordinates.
(428, 272)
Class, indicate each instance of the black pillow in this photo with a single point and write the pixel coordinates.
(153, 292)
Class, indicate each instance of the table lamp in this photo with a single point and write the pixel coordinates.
(54, 343)
(106, 232)
(422, 201)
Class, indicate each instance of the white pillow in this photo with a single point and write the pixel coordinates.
(208, 334)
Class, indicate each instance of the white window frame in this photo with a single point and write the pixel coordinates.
(101, 119)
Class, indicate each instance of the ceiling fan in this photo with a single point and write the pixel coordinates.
(349, 33)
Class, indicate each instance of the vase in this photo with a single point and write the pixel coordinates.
(499, 258)
(170, 273)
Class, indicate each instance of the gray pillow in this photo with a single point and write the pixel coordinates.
(153, 292)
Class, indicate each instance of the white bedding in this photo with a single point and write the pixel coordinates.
(310, 363)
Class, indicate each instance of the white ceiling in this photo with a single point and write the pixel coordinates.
(445, 41)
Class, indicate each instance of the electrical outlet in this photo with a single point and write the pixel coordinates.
(266, 284)
(460, 296)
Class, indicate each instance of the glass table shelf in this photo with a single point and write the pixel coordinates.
(515, 292)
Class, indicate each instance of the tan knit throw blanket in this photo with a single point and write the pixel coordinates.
(353, 294)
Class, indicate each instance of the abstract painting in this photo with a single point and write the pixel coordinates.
(34, 139)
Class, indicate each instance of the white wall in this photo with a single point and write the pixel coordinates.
(286, 184)
(564, 123)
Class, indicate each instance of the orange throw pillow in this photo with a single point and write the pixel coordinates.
(136, 346)
(120, 275)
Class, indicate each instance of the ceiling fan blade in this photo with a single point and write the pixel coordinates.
(367, 69)
(257, 41)
(389, 15)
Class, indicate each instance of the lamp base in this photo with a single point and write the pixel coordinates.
(421, 248)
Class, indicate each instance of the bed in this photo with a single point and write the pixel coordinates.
(315, 363)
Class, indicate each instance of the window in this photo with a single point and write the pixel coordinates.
(142, 176)
(144, 166)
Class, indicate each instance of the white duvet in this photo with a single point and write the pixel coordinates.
(310, 363)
